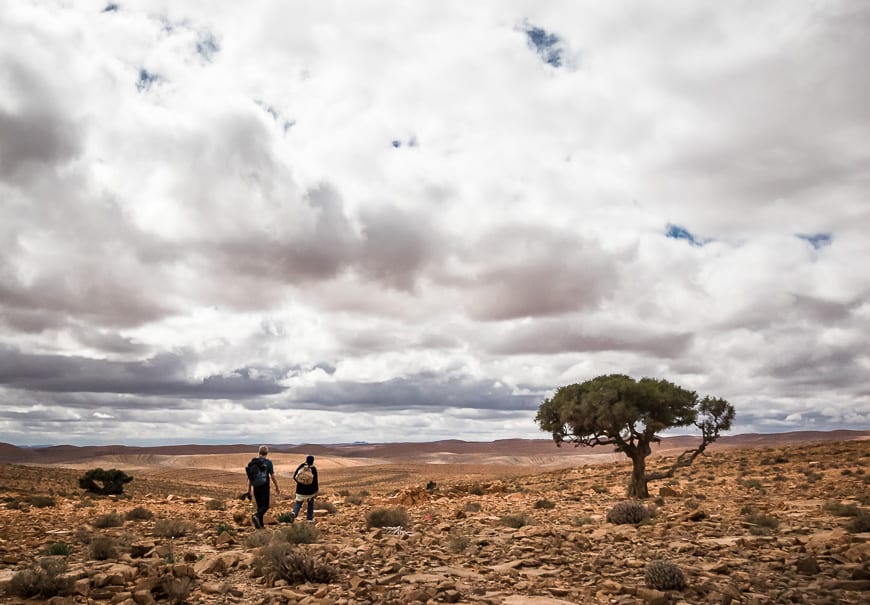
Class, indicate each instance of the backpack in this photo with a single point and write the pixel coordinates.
(257, 472)
(305, 476)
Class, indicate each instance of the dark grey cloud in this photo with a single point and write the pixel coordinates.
(423, 390)
(36, 136)
(549, 337)
(161, 375)
(397, 245)
(535, 272)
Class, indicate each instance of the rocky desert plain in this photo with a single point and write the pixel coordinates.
(757, 519)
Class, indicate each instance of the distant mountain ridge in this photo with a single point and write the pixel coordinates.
(70, 453)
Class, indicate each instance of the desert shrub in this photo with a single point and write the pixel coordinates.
(458, 541)
(285, 562)
(258, 539)
(476, 490)
(111, 519)
(664, 575)
(327, 506)
(515, 521)
(838, 509)
(102, 548)
(225, 527)
(861, 523)
(599, 489)
(85, 503)
(387, 517)
(177, 589)
(628, 511)
(106, 483)
(751, 484)
(545, 504)
(299, 533)
(45, 578)
(171, 528)
(344, 493)
(58, 549)
(285, 517)
(582, 520)
(431, 486)
(140, 513)
(214, 505)
(354, 499)
(472, 507)
(761, 524)
(40, 501)
(13, 503)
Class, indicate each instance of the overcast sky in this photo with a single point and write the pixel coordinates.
(323, 222)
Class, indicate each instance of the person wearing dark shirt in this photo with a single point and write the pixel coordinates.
(305, 492)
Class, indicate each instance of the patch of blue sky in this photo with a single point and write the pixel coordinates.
(547, 45)
(678, 232)
(816, 240)
(146, 79)
(111, 8)
(207, 47)
(276, 115)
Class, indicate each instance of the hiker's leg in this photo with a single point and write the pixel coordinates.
(296, 508)
(261, 496)
(310, 514)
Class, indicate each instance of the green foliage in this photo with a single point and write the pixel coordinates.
(225, 527)
(664, 575)
(299, 533)
(171, 528)
(105, 483)
(628, 512)
(111, 519)
(44, 578)
(387, 517)
(58, 549)
(283, 561)
(40, 501)
(102, 548)
(285, 517)
(140, 513)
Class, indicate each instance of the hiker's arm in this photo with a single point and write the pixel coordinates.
(275, 481)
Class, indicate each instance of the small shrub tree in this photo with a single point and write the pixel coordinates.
(387, 517)
(617, 410)
(105, 483)
(44, 578)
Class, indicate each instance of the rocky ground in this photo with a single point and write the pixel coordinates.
(750, 525)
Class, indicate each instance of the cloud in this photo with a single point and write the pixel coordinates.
(422, 220)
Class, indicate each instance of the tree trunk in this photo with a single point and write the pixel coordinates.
(637, 488)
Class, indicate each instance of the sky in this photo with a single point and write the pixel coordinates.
(325, 222)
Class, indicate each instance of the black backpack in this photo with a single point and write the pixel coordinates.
(257, 472)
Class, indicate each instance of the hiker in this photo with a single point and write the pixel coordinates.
(306, 488)
(258, 488)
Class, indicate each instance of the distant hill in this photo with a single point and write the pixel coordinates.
(410, 451)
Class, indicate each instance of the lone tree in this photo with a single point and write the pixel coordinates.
(106, 483)
(617, 410)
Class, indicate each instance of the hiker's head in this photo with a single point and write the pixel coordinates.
(264, 450)
(309, 459)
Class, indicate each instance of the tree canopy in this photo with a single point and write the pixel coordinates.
(617, 410)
